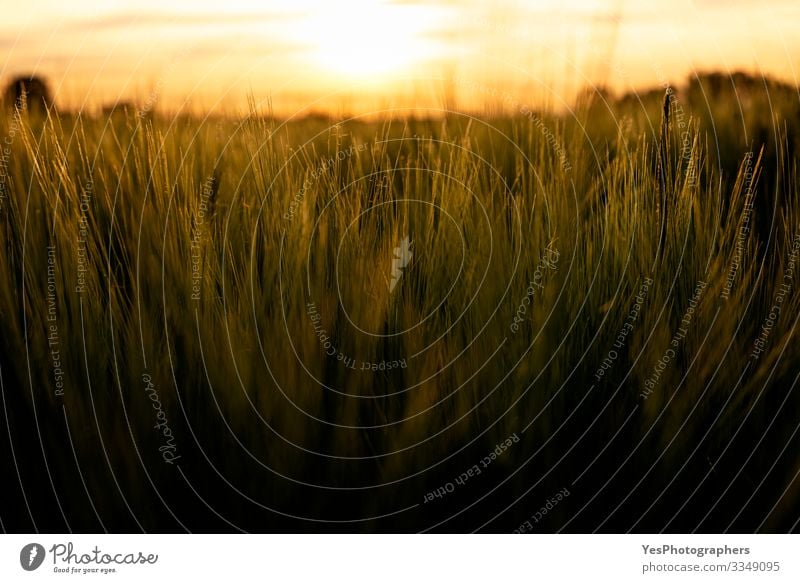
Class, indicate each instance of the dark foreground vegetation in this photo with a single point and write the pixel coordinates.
(531, 322)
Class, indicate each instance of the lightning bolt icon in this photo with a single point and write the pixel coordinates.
(402, 257)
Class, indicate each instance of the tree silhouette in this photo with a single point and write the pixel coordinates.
(29, 92)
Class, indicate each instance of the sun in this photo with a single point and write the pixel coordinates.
(365, 39)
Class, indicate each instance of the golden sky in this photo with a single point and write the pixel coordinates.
(354, 55)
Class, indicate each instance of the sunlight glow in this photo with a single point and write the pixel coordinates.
(354, 54)
(360, 39)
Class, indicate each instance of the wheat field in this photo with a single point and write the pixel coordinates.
(525, 320)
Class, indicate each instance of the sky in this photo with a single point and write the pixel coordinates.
(305, 56)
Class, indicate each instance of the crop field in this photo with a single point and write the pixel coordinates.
(517, 320)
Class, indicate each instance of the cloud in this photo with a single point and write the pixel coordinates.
(132, 19)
